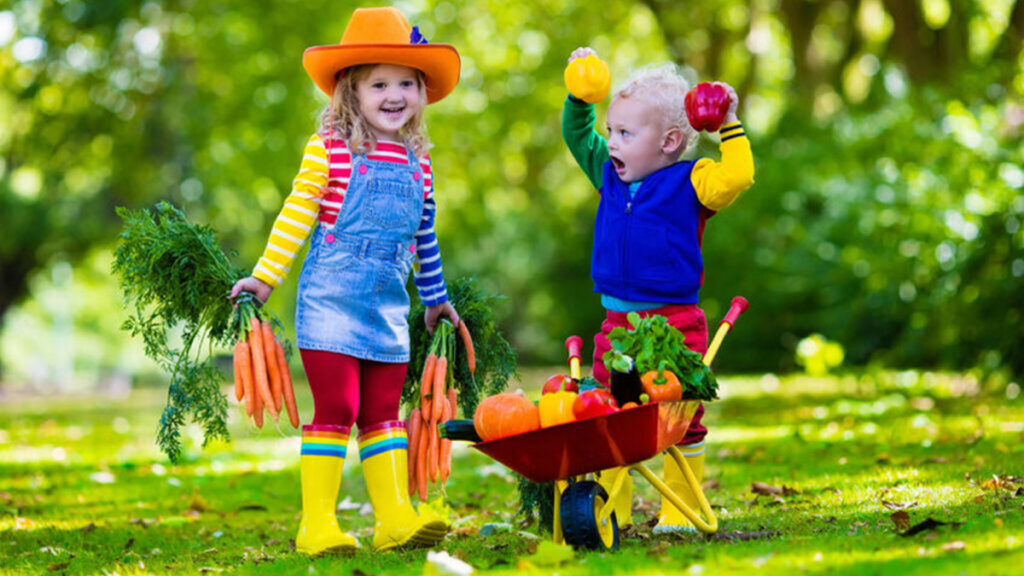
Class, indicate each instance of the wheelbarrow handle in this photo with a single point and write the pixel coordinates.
(574, 344)
(739, 306)
(459, 430)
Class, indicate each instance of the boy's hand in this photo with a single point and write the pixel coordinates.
(252, 284)
(581, 52)
(434, 313)
(734, 103)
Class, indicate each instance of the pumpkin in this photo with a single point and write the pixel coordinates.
(504, 415)
(588, 78)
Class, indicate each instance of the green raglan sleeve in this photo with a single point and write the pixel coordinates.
(587, 146)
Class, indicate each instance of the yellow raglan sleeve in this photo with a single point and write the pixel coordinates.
(297, 217)
(718, 184)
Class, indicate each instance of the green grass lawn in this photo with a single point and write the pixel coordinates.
(83, 489)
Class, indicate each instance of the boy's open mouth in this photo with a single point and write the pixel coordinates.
(618, 164)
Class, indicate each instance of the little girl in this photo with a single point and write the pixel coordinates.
(365, 192)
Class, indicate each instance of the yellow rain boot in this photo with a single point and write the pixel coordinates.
(624, 501)
(383, 449)
(323, 457)
(671, 519)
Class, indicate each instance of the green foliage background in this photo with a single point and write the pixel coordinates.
(887, 136)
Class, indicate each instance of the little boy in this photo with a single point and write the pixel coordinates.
(650, 222)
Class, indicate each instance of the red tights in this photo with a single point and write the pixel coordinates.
(347, 389)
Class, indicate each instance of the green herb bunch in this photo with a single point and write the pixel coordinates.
(495, 358)
(173, 273)
(651, 341)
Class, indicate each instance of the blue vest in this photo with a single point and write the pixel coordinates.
(648, 248)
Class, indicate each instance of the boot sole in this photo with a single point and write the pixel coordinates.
(427, 535)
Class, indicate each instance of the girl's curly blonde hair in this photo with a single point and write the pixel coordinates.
(343, 117)
(663, 88)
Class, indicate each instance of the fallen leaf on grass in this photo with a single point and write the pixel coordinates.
(711, 485)
(1002, 483)
(128, 545)
(742, 536)
(57, 566)
(549, 554)
(196, 503)
(928, 524)
(899, 505)
(954, 546)
(901, 519)
(769, 490)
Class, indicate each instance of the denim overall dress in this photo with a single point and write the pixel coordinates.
(352, 297)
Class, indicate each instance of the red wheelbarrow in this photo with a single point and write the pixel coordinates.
(566, 453)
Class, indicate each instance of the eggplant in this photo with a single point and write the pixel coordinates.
(626, 386)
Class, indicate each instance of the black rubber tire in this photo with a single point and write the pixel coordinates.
(578, 513)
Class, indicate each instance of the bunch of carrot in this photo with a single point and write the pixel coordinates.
(430, 456)
(262, 379)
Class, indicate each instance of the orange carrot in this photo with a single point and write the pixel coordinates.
(237, 358)
(467, 341)
(452, 397)
(259, 365)
(245, 367)
(421, 462)
(433, 451)
(286, 387)
(427, 380)
(273, 370)
(412, 428)
(257, 411)
(440, 374)
(446, 445)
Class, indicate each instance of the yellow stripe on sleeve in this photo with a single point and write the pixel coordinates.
(718, 184)
(297, 217)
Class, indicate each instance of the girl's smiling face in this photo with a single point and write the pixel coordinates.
(389, 96)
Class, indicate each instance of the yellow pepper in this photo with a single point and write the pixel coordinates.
(556, 408)
(588, 78)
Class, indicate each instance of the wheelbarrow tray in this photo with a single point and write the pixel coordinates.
(584, 446)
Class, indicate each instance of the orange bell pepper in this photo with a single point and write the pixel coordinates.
(662, 385)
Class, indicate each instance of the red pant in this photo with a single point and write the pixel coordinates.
(347, 389)
(689, 319)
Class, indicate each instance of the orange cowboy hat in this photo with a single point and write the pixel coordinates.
(383, 36)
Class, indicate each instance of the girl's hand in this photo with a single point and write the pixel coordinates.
(252, 284)
(734, 103)
(434, 313)
(581, 53)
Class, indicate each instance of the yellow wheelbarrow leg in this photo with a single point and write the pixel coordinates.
(556, 522)
(711, 525)
(619, 485)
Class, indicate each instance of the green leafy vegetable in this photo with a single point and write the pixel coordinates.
(495, 358)
(653, 340)
(173, 273)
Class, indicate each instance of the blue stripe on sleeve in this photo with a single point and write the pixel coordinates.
(429, 279)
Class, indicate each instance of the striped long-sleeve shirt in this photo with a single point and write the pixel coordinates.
(306, 205)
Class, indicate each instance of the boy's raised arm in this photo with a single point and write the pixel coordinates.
(718, 184)
(587, 146)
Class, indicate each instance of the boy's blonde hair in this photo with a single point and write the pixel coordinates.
(343, 116)
(663, 88)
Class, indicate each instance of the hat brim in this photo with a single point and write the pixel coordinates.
(439, 63)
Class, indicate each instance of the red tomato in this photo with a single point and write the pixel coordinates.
(560, 382)
(592, 403)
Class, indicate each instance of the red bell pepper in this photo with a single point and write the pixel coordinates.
(706, 106)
